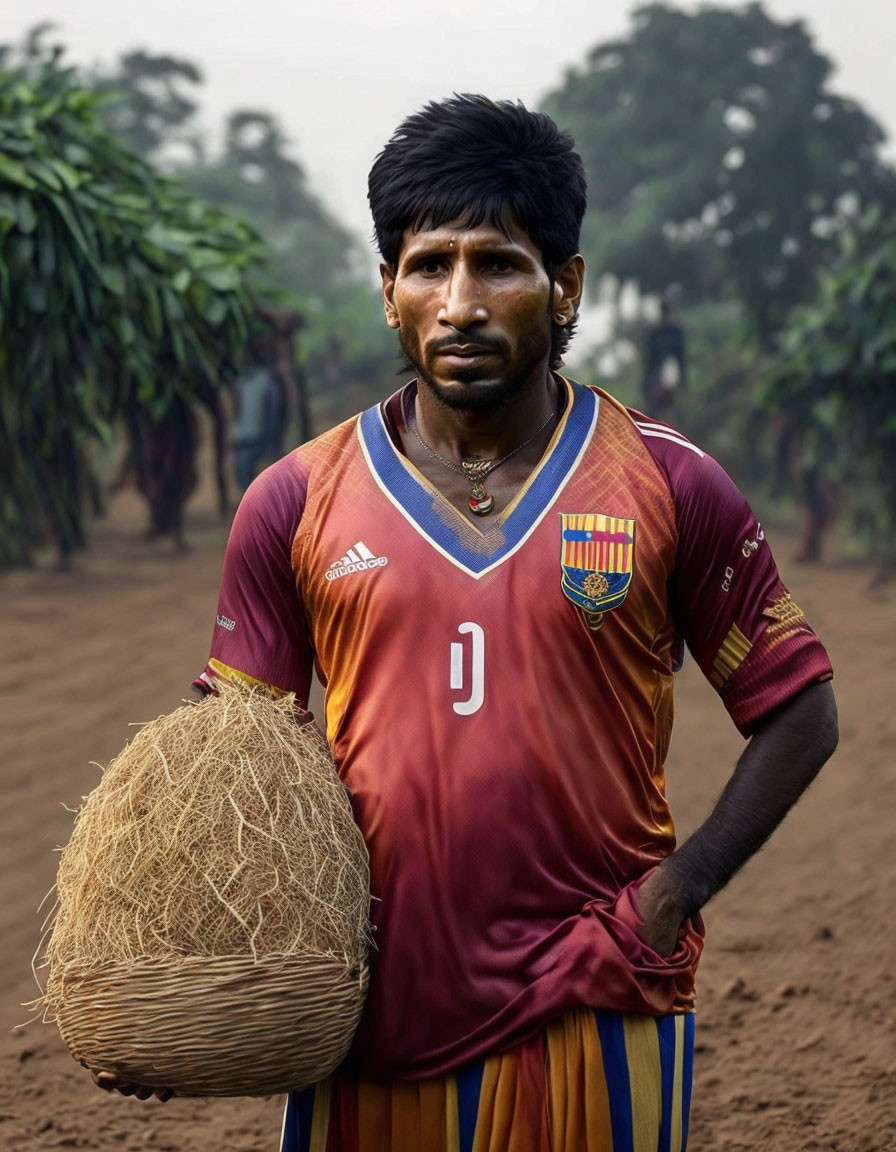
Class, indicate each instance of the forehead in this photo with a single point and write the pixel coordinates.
(461, 235)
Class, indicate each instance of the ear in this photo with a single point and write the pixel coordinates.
(387, 275)
(568, 288)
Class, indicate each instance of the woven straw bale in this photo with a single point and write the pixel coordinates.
(217, 860)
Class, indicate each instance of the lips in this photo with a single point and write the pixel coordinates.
(454, 357)
(465, 350)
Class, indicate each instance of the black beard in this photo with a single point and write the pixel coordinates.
(491, 393)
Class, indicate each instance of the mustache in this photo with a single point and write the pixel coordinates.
(460, 339)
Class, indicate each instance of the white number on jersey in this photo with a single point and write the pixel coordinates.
(476, 664)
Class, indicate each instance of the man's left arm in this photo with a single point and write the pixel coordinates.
(754, 644)
(781, 760)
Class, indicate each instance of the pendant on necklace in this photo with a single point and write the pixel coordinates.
(481, 505)
(480, 502)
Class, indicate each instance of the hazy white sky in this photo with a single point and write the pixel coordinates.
(340, 74)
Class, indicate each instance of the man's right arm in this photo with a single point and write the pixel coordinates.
(259, 630)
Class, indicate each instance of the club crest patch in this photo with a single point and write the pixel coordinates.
(597, 557)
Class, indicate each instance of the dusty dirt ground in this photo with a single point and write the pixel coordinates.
(796, 1029)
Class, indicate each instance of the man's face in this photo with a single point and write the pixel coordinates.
(473, 310)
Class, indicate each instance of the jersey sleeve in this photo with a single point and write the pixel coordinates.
(744, 629)
(260, 628)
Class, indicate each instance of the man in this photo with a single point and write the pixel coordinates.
(495, 571)
(259, 416)
(664, 363)
(162, 459)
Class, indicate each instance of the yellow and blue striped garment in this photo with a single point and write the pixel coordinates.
(593, 1081)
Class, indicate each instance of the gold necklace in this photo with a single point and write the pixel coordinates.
(475, 469)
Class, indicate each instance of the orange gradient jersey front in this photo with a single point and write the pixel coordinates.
(499, 703)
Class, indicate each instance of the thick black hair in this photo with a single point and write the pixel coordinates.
(472, 159)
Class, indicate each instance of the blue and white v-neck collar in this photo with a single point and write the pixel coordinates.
(406, 488)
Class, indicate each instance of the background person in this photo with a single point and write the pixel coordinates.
(260, 412)
(161, 458)
(665, 363)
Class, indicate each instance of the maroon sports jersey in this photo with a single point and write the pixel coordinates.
(499, 703)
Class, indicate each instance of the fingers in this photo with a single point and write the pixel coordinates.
(109, 1082)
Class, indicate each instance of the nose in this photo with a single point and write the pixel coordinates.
(462, 303)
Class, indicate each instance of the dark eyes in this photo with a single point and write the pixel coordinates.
(433, 265)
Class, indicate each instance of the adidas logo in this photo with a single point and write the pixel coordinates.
(358, 559)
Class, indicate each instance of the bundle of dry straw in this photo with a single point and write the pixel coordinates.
(210, 933)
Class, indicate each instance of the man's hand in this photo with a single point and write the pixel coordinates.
(781, 760)
(109, 1082)
(662, 912)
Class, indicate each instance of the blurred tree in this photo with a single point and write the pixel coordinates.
(317, 266)
(719, 160)
(34, 50)
(116, 288)
(313, 256)
(836, 376)
(148, 103)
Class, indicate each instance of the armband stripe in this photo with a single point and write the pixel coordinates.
(734, 650)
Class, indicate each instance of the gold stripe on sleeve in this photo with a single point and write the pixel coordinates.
(734, 650)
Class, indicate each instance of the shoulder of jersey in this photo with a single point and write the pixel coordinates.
(332, 440)
(659, 436)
